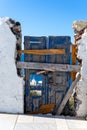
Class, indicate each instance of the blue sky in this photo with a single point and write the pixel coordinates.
(45, 17)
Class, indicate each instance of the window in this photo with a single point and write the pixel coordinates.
(36, 80)
(35, 92)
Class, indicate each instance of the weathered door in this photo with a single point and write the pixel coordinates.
(49, 87)
(35, 84)
(59, 82)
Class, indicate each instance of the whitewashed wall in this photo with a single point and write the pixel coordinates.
(80, 27)
(82, 84)
(11, 86)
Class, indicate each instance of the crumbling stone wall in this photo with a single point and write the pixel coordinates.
(15, 27)
(11, 85)
(80, 29)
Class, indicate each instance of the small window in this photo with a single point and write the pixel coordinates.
(35, 92)
(36, 80)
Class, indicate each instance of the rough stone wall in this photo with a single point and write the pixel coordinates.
(15, 27)
(80, 28)
(11, 85)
